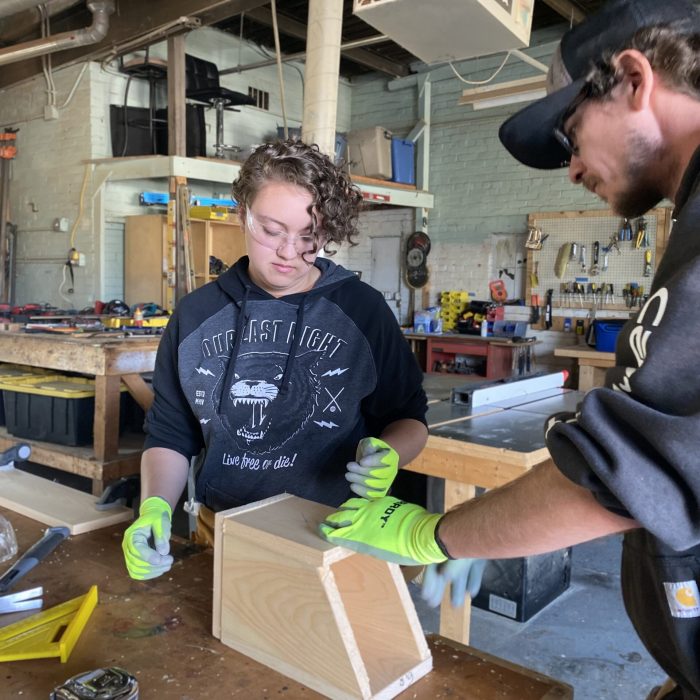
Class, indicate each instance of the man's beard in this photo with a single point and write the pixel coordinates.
(645, 177)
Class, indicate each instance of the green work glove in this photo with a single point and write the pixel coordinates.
(142, 560)
(374, 471)
(464, 575)
(386, 528)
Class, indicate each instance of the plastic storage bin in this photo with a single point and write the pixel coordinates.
(402, 161)
(606, 332)
(520, 588)
(10, 372)
(369, 152)
(52, 408)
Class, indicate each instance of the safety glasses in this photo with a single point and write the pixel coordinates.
(269, 235)
(566, 140)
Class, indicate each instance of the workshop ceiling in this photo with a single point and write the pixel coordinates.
(134, 19)
(387, 57)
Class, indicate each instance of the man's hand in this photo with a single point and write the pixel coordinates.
(374, 470)
(386, 528)
(142, 561)
(464, 575)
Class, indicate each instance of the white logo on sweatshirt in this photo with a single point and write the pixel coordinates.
(639, 336)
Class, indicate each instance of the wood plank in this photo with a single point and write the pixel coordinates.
(55, 504)
(81, 460)
(139, 389)
(455, 622)
(177, 145)
(79, 354)
(106, 419)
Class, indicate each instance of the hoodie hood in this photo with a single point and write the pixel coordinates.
(236, 283)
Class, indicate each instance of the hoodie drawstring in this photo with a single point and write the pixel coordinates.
(240, 329)
(298, 332)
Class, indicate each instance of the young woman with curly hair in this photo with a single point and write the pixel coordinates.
(285, 373)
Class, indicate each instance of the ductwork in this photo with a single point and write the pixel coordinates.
(101, 10)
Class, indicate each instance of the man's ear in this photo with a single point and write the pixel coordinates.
(638, 77)
(240, 213)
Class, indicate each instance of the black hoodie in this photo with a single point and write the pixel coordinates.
(280, 390)
(636, 445)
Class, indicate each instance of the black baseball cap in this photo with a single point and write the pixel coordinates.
(528, 134)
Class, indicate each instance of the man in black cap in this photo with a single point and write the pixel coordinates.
(623, 113)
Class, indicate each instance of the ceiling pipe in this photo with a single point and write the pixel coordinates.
(20, 25)
(12, 7)
(101, 10)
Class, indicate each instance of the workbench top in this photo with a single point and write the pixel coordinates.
(160, 631)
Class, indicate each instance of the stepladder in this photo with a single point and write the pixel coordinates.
(339, 622)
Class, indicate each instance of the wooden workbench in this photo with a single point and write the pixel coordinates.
(485, 447)
(592, 365)
(111, 361)
(160, 631)
(502, 355)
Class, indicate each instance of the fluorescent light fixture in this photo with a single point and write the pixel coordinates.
(498, 94)
(528, 96)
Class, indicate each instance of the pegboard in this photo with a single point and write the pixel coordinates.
(585, 228)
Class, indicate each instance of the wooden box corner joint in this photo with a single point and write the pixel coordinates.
(341, 623)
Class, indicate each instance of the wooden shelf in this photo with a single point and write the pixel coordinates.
(111, 361)
(148, 259)
(81, 460)
(226, 171)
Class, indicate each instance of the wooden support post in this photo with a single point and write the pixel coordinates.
(454, 622)
(339, 622)
(177, 132)
(106, 421)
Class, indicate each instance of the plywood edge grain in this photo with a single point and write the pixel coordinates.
(55, 504)
(405, 681)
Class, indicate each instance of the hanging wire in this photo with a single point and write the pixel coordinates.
(481, 82)
(46, 58)
(278, 53)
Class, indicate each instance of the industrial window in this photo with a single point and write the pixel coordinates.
(261, 97)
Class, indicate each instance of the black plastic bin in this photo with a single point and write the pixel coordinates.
(52, 409)
(520, 588)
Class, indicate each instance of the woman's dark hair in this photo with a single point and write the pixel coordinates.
(335, 199)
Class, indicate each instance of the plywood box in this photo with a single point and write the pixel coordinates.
(339, 622)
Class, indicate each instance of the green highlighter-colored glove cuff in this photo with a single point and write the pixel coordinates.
(428, 549)
(155, 504)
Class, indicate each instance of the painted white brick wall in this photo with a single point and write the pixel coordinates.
(46, 180)
(479, 188)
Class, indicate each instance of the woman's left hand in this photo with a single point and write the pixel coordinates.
(374, 470)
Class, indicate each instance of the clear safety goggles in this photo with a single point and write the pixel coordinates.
(270, 236)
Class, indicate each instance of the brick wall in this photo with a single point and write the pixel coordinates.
(479, 188)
